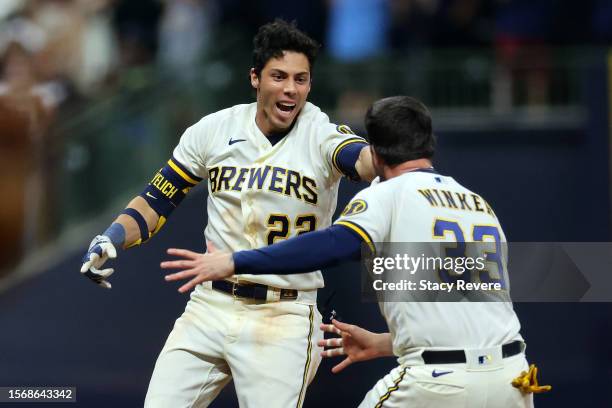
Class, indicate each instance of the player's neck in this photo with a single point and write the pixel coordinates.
(269, 131)
(405, 167)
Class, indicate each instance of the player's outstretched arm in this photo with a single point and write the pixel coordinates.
(143, 217)
(331, 245)
(356, 343)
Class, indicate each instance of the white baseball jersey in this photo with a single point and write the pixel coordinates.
(259, 193)
(422, 206)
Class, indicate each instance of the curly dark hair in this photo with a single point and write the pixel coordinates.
(399, 129)
(274, 38)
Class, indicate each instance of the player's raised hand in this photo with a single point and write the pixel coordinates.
(100, 250)
(356, 343)
(212, 265)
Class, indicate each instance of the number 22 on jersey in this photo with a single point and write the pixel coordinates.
(278, 226)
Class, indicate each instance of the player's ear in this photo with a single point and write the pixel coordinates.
(254, 78)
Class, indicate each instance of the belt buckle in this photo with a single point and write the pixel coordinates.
(288, 294)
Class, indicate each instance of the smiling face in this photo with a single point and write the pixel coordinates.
(282, 88)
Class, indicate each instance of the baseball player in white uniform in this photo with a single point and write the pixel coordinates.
(450, 354)
(273, 169)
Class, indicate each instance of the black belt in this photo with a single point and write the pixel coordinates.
(458, 356)
(252, 290)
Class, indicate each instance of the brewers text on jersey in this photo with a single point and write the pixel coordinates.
(285, 181)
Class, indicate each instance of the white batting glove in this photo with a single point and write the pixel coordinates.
(100, 250)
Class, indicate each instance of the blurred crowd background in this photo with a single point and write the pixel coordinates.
(122, 79)
(94, 94)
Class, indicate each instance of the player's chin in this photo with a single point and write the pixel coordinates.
(283, 124)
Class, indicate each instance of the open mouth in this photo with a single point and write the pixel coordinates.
(285, 107)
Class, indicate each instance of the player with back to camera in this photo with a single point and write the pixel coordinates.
(451, 354)
(273, 169)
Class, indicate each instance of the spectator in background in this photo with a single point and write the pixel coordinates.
(357, 29)
(72, 42)
(136, 24)
(412, 24)
(357, 33)
(8, 7)
(97, 50)
(312, 18)
(184, 35)
(463, 23)
(522, 29)
(25, 115)
(62, 24)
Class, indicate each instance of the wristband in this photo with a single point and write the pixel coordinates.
(116, 233)
(142, 225)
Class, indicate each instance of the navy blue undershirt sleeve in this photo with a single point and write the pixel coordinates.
(347, 158)
(304, 253)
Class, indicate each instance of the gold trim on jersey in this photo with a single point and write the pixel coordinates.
(308, 359)
(362, 233)
(181, 173)
(342, 146)
(394, 387)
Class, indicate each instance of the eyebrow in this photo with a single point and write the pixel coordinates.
(277, 70)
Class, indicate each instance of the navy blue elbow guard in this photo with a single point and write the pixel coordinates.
(167, 189)
(346, 155)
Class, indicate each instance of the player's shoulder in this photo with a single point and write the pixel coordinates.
(373, 196)
(231, 113)
(376, 189)
(317, 121)
(213, 122)
(312, 119)
(312, 113)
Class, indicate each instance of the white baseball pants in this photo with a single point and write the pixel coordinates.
(451, 386)
(269, 349)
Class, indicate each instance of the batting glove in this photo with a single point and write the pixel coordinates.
(100, 249)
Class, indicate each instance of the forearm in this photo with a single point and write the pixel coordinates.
(129, 224)
(365, 165)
